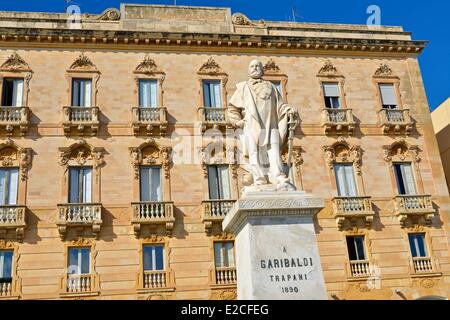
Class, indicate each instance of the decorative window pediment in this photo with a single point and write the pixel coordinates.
(329, 70)
(211, 67)
(151, 153)
(81, 153)
(148, 67)
(342, 152)
(384, 71)
(401, 151)
(271, 68)
(15, 63)
(217, 153)
(12, 155)
(83, 63)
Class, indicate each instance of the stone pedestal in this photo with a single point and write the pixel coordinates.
(277, 256)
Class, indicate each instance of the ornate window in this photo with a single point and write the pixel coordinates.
(394, 119)
(358, 251)
(15, 76)
(152, 203)
(82, 112)
(14, 165)
(220, 183)
(422, 261)
(155, 273)
(411, 204)
(212, 96)
(81, 278)
(10, 283)
(81, 198)
(344, 162)
(149, 112)
(273, 74)
(337, 118)
(223, 275)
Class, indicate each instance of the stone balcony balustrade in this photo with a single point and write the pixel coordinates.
(9, 288)
(81, 215)
(338, 121)
(215, 211)
(414, 206)
(395, 121)
(360, 268)
(423, 265)
(225, 276)
(152, 120)
(12, 217)
(215, 118)
(352, 208)
(82, 119)
(152, 213)
(79, 285)
(155, 280)
(14, 117)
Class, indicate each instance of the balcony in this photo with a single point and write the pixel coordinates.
(14, 117)
(411, 206)
(422, 265)
(152, 213)
(360, 269)
(352, 209)
(155, 280)
(213, 118)
(80, 215)
(152, 120)
(225, 276)
(215, 211)
(81, 119)
(12, 217)
(338, 121)
(395, 121)
(79, 285)
(9, 288)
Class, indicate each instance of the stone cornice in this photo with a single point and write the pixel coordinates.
(222, 41)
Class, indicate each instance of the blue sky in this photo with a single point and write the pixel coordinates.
(428, 20)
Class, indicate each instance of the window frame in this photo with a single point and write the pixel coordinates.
(395, 82)
(160, 183)
(164, 262)
(425, 244)
(5, 200)
(220, 182)
(395, 164)
(75, 79)
(82, 187)
(366, 257)
(80, 263)
(2, 265)
(223, 250)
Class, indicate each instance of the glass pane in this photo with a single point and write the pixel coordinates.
(224, 182)
(87, 93)
(218, 254)
(148, 257)
(18, 93)
(350, 181)
(159, 257)
(85, 260)
(359, 241)
(229, 249)
(399, 179)
(13, 185)
(145, 183)
(213, 183)
(155, 184)
(75, 92)
(7, 95)
(351, 249)
(388, 95)
(74, 184)
(6, 264)
(408, 179)
(417, 245)
(87, 185)
(206, 95)
(148, 93)
(73, 268)
(3, 191)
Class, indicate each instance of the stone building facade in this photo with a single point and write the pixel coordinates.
(441, 123)
(89, 114)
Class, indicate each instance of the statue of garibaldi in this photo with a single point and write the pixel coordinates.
(258, 109)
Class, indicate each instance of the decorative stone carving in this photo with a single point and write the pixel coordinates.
(111, 14)
(271, 67)
(224, 294)
(151, 153)
(384, 70)
(242, 20)
(328, 70)
(81, 153)
(343, 152)
(401, 151)
(15, 63)
(216, 153)
(13, 155)
(210, 67)
(147, 66)
(83, 63)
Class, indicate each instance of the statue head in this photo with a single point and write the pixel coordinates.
(255, 69)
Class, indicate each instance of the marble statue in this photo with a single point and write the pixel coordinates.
(258, 109)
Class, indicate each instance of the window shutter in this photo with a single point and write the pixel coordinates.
(217, 95)
(88, 93)
(87, 185)
(75, 93)
(74, 185)
(224, 182)
(206, 95)
(213, 183)
(155, 184)
(408, 179)
(388, 94)
(331, 90)
(13, 186)
(350, 179)
(3, 187)
(145, 184)
(153, 93)
(18, 93)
